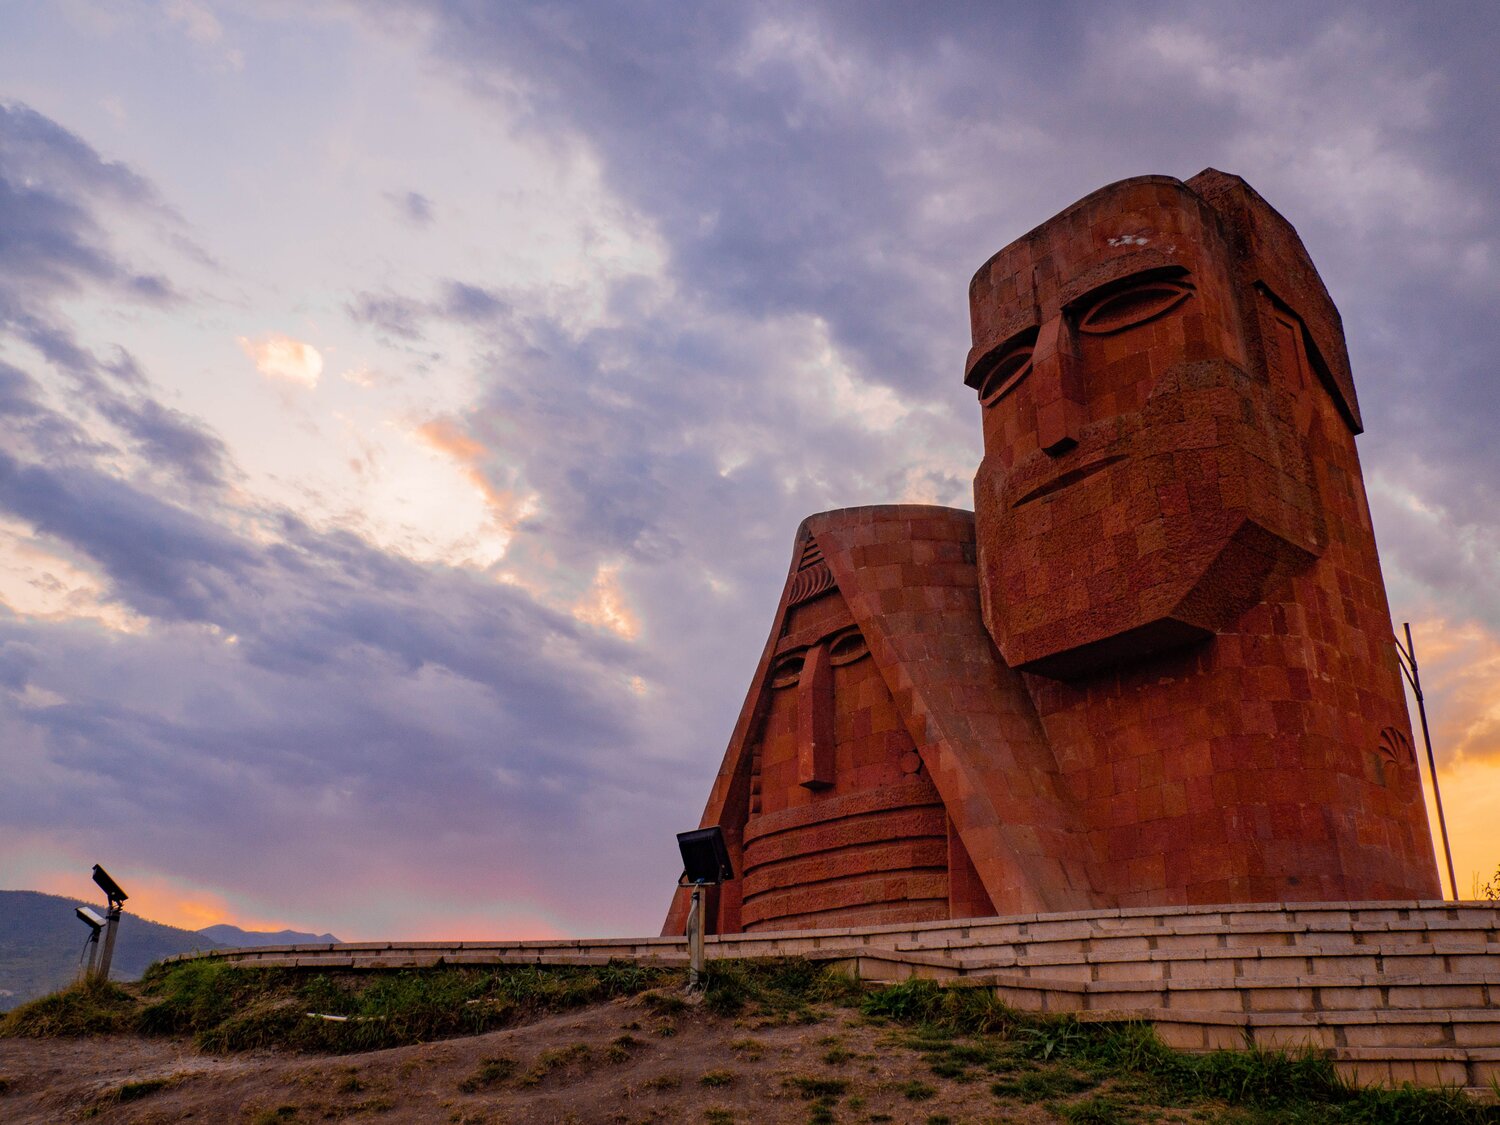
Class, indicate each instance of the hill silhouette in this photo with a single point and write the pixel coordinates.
(41, 942)
(232, 937)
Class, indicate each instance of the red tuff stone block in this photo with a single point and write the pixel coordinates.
(1154, 667)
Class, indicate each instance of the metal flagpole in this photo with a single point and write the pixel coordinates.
(1407, 658)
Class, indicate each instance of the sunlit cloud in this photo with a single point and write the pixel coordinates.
(506, 506)
(176, 903)
(281, 357)
(605, 607)
(360, 376)
(1460, 667)
(39, 582)
(1471, 804)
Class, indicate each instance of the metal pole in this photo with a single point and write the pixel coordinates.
(695, 939)
(93, 950)
(1414, 677)
(111, 925)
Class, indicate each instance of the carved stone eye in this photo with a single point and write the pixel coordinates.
(1133, 306)
(847, 648)
(788, 670)
(1011, 368)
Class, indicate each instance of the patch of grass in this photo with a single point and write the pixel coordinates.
(230, 1008)
(1097, 1110)
(974, 1011)
(135, 1091)
(620, 1047)
(490, 1072)
(552, 1060)
(716, 1077)
(88, 1008)
(350, 1083)
(916, 1090)
(810, 1088)
(275, 1116)
(718, 1115)
(960, 1032)
(1041, 1085)
(751, 1049)
(662, 1083)
(664, 1003)
(776, 989)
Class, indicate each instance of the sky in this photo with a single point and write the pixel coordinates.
(406, 407)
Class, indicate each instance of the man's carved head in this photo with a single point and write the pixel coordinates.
(1141, 361)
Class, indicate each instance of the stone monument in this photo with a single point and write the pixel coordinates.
(1155, 666)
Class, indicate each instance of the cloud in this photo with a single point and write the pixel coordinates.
(281, 357)
(405, 318)
(605, 607)
(54, 192)
(821, 182)
(412, 206)
(51, 184)
(196, 20)
(507, 508)
(199, 24)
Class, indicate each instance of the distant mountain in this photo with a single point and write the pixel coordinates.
(232, 937)
(41, 942)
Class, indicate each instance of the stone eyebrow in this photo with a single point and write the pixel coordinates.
(1099, 288)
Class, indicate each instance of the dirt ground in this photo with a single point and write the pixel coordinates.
(623, 1062)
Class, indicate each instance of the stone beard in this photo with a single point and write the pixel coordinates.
(1155, 667)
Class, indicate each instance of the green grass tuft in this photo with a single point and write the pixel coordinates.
(810, 1088)
(90, 1008)
(490, 1072)
(916, 1090)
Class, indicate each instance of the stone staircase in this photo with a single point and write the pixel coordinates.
(1396, 991)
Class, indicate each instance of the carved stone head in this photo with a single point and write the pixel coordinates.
(1139, 360)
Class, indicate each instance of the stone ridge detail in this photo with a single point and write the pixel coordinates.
(1394, 991)
(1154, 667)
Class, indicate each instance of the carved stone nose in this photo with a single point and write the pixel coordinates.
(815, 730)
(1057, 382)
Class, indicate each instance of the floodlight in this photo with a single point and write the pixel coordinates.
(705, 860)
(705, 857)
(110, 888)
(89, 918)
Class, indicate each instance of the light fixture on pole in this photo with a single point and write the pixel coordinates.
(95, 923)
(116, 897)
(1407, 658)
(705, 863)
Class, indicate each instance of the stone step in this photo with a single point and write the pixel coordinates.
(1433, 961)
(1469, 940)
(1198, 933)
(1385, 1047)
(1453, 1028)
(1294, 993)
(1368, 917)
(372, 960)
(1472, 1068)
(1121, 931)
